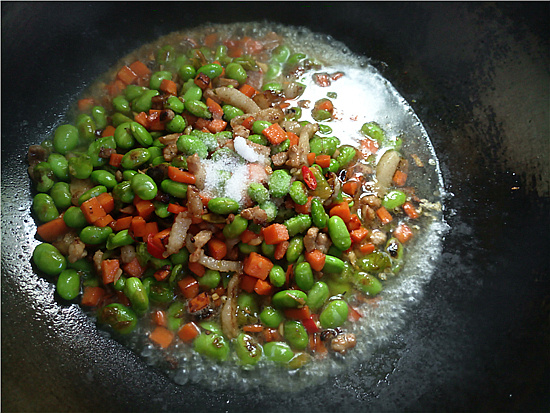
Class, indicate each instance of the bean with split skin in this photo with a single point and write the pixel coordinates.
(212, 345)
(119, 317)
(135, 158)
(247, 349)
(296, 335)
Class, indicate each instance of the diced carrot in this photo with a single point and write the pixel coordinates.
(304, 209)
(384, 215)
(216, 125)
(109, 270)
(350, 187)
(247, 123)
(217, 249)
(247, 236)
(311, 158)
(141, 118)
(161, 336)
(248, 90)
(53, 229)
(197, 268)
(140, 69)
(189, 331)
(284, 105)
(353, 314)
(123, 223)
(271, 334)
(253, 328)
(323, 161)
(189, 287)
(263, 287)
(92, 210)
(210, 40)
(257, 266)
(359, 235)
(162, 273)
(104, 221)
(368, 146)
(92, 296)
(175, 208)
(145, 209)
(294, 139)
(316, 259)
(275, 134)
(202, 124)
(115, 159)
(367, 247)
(153, 120)
(234, 51)
(108, 131)
(177, 175)
(403, 233)
(214, 108)
(116, 87)
(134, 268)
(298, 313)
(410, 210)
(248, 283)
(342, 210)
(127, 75)
(107, 202)
(280, 250)
(198, 303)
(354, 223)
(138, 227)
(169, 86)
(275, 233)
(326, 104)
(84, 105)
(399, 178)
(159, 318)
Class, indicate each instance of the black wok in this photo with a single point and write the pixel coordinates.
(477, 74)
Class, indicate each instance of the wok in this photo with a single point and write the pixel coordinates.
(477, 74)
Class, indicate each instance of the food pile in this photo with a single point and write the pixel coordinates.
(188, 196)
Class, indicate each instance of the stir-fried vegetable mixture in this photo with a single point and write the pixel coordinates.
(190, 193)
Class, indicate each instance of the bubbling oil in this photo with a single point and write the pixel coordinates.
(362, 95)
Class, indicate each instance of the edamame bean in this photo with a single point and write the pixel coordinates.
(59, 165)
(43, 176)
(135, 158)
(259, 139)
(212, 345)
(48, 259)
(211, 326)
(61, 195)
(235, 228)
(247, 349)
(119, 239)
(119, 317)
(176, 125)
(317, 295)
(80, 167)
(268, 250)
(258, 193)
(375, 262)
(175, 104)
(157, 78)
(127, 174)
(198, 108)
(135, 291)
(274, 71)
(303, 275)
(68, 284)
(91, 193)
(367, 283)
(295, 58)
(230, 112)
(194, 93)
(279, 183)
(141, 134)
(120, 283)
(134, 91)
(175, 314)
(335, 314)
(247, 248)
(118, 119)
(144, 103)
(97, 146)
(298, 224)
(92, 235)
(295, 248)
(74, 218)
(187, 72)
(347, 153)
(277, 276)
(339, 233)
(274, 87)
(44, 207)
(271, 317)
(210, 279)
(298, 193)
(180, 257)
(289, 299)
(282, 147)
(223, 205)
(161, 292)
(120, 104)
(334, 166)
(86, 127)
(123, 192)
(144, 186)
(190, 145)
(259, 125)
(123, 136)
(176, 189)
(100, 117)
(236, 71)
(212, 70)
(65, 139)
(319, 216)
(105, 178)
(270, 209)
(296, 334)
(280, 54)
(278, 351)
(333, 265)
(393, 199)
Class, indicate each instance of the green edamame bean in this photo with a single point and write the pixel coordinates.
(318, 213)
(278, 351)
(367, 283)
(375, 262)
(223, 205)
(44, 207)
(289, 299)
(334, 166)
(175, 104)
(161, 209)
(123, 136)
(61, 195)
(277, 276)
(132, 92)
(247, 349)
(91, 193)
(161, 292)
(274, 71)
(235, 228)
(189, 145)
(119, 317)
(187, 72)
(298, 193)
(119, 239)
(268, 250)
(154, 151)
(335, 314)
(141, 134)
(393, 199)
(176, 125)
(86, 127)
(43, 176)
(144, 103)
(212, 70)
(48, 259)
(271, 317)
(274, 87)
(157, 78)
(212, 345)
(259, 126)
(194, 93)
(100, 117)
(236, 71)
(144, 186)
(105, 178)
(333, 265)
(123, 192)
(68, 284)
(176, 189)
(294, 113)
(282, 147)
(74, 218)
(296, 335)
(65, 139)
(127, 174)
(211, 326)
(279, 183)
(295, 58)
(258, 193)
(80, 167)
(339, 233)
(317, 295)
(59, 165)
(175, 314)
(325, 129)
(298, 224)
(120, 283)
(135, 291)
(198, 108)
(120, 104)
(118, 118)
(135, 158)
(347, 153)
(259, 139)
(280, 54)
(247, 249)
(230, 112)
(303, 275)
(97, 146)
(92, 235)
(180, 257)
(270, 209)
(210, 279)
(374, 131)
(295, 248)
